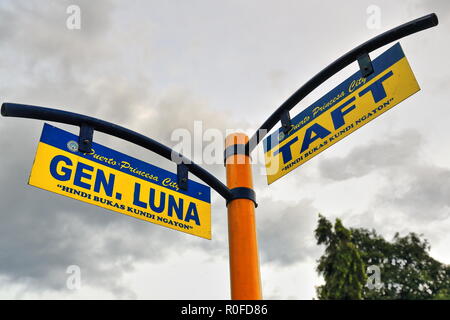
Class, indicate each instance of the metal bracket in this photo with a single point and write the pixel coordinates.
(182, 175)
(85, 138)
(242, 193)
(365, 65)
(286, 121)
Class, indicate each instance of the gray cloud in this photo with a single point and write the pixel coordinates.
(425, 196)
(393, 151)
(412, 187)
(440, 7)
(286, 232)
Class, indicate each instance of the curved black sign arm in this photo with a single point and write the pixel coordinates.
(88, 124)
(359, 54)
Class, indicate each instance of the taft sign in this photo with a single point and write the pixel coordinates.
(118, 182)
(349, 106)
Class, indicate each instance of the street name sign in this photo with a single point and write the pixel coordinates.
(115, 181)
(346, 108)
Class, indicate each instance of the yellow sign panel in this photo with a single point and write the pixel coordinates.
(343, 110)
(118, 182)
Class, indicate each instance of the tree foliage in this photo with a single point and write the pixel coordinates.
(407, 270)
(341, 265)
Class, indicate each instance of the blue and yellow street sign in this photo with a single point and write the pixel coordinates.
(118, 182)
(349, 106)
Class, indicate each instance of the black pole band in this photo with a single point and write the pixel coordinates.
(238, 148)
(243, 193)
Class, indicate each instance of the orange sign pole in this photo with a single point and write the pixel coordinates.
(244, 262)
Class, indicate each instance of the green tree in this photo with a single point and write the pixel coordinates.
(341, 265)
(407, 270)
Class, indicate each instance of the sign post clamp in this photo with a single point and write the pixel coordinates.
(85, 138)
(365, 65)
(182, 175)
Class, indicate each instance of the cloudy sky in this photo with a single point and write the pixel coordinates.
(159, 66)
